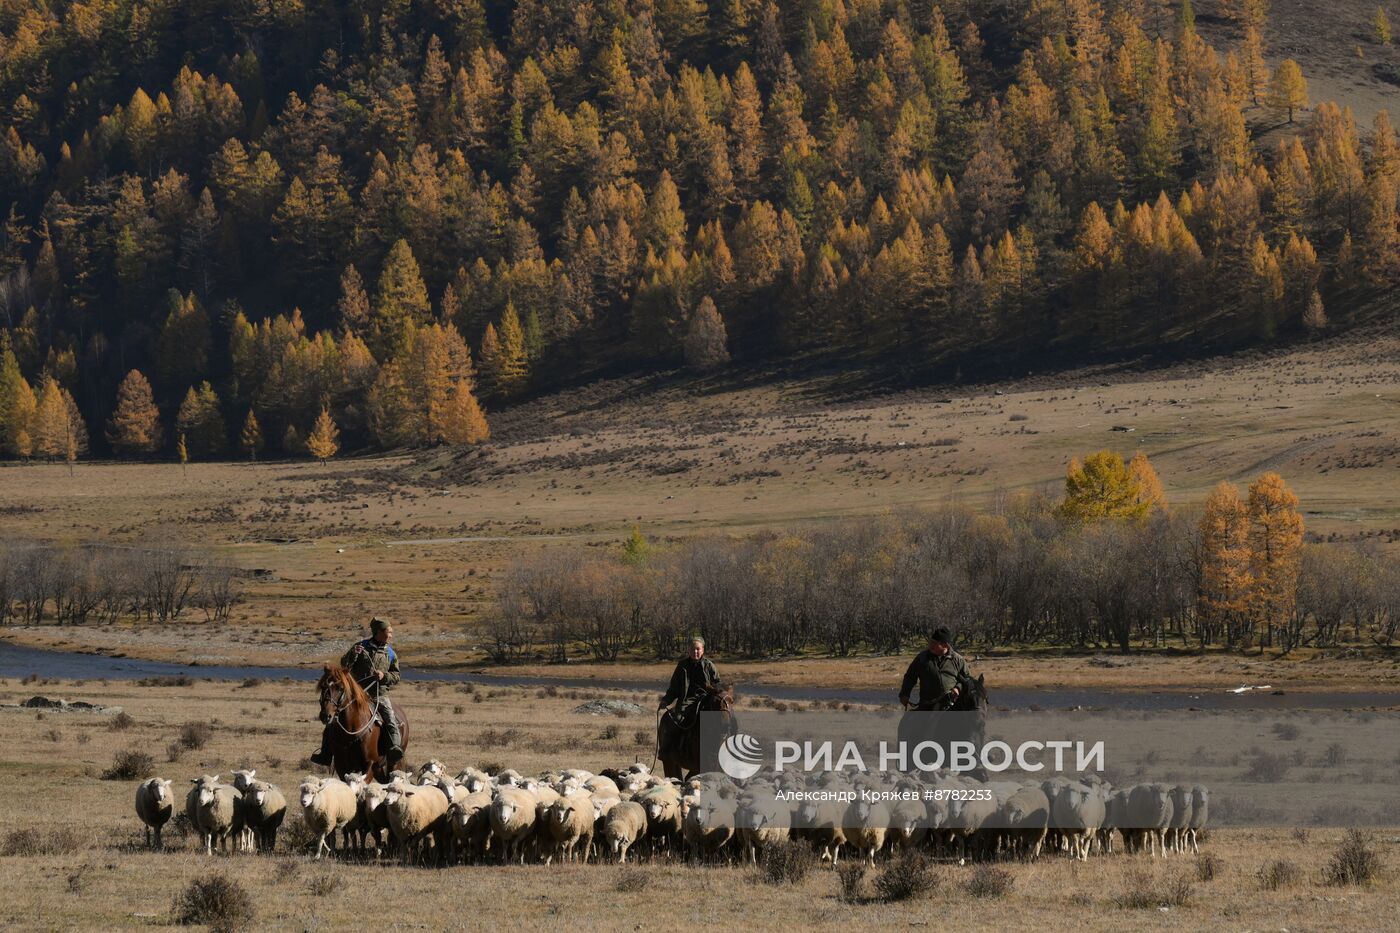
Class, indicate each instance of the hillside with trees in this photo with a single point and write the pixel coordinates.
(246, 229)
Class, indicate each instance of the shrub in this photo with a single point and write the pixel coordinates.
(180, 681)
(1335, 755)
(498, 737)
(642, 737)
(1267, 769)
(297, 835)
(633, 880)
(1354, 861)
(251, 682)
(1286, 731)
(174, 751)
(62, 841)
(852, 878)
(121, 722)
(610, 732)
(1208, 866)
(130, 765)
(1142, 892)
(989, 881)
(218, 901)
(324, 883)
(1279, 874)
(786, 862)
(196, 735)
(905, 877)
(53, 735)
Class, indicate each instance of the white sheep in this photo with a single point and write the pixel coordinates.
(623, 825)
(215, 810)
(760, 821)
(1200, 814)
(1078, 811)
(416, 814)
(568, 822)
(327, 804)
(662, 805)
(154, 804)
(513, 817)
(469, 820)
(264, 808)
(865, 824)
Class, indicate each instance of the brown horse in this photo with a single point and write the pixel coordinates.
(355, 729)
(687, 757)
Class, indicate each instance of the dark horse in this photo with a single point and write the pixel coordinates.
(688, 757)
(354, 724)
(923, 724)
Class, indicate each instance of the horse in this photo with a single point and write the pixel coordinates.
(927, 725)
(685, 756)
(354, 725)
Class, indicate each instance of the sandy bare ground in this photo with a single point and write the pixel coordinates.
(107, 882)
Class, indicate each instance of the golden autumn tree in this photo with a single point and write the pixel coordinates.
(1103, 486)
(1275, 549)
(135, 425)
(1224, 587)
(1149, 486)
(324, 440)
(1288, 90)
(251, 438)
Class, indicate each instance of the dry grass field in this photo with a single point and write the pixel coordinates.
(425, 537)
(102, 879)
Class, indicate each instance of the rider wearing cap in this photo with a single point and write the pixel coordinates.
(939, 671)
(375, 666)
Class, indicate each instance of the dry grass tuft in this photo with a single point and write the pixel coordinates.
(31, 842)
(1279, 874)
(907, 876)
(196, 735)
(852, 877)
(786, 862)
(130, 765)
(1355, 861)
(218, 901)
(990, 882)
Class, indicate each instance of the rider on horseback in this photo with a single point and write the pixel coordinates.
(693, 674)
(376, 667)
(940, 673)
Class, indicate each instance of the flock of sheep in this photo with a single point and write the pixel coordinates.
(568, 815)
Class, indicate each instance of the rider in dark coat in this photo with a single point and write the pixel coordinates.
(692, 675)
(375, 666)
(940, 673)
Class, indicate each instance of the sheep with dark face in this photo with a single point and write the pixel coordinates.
(154, 804)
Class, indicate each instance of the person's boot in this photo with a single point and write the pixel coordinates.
(394, 753)
(323, 757)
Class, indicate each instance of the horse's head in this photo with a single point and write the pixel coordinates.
(718, 699)
(337, 690)
(973, 695)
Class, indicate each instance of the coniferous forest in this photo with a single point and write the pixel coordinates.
(251, 228)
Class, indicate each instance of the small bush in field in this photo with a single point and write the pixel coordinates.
(851, 874)
(130, 765)
(905, 877)
(196, 735)
(1279, 874)
(786, 862)
(1354, 861)
(990, 882)
(217, 901)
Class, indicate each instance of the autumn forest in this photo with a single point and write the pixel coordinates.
(242, 228)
